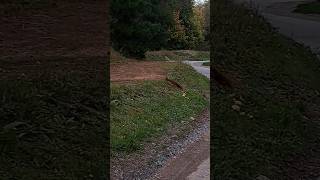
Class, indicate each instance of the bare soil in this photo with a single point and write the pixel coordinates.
(138, 70)
(306, 165)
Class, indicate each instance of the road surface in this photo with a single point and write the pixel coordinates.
(197, 65)
(302, 28)
(194, 162)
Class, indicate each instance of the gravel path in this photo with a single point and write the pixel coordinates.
(145, 164)
(193, 162)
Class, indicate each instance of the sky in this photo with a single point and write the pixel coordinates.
(199, 1)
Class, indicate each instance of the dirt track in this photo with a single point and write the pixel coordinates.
(138, 70)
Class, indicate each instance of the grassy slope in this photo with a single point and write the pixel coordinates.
(178, 55)
(308, 8)
(142, 110)
(277, 81)
(53, 128)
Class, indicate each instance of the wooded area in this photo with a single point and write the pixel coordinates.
(141, 25)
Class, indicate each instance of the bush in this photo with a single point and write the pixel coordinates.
(138, 26)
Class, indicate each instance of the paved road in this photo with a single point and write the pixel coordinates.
(302, 28)
(203, 170)
(262, 4)
(197, 65)
(194, 162)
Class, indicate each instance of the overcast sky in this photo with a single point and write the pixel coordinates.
(199, 1)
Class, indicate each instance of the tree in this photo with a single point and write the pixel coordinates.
(138, 26)
(177, 31)
(207, 19)
(141, 25)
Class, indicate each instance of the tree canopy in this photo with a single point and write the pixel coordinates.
(141, 25)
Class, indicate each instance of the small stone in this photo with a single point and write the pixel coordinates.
(238, 103)
(250, 116)
(305, 117)
(262, 177)
(192, 118)
(236, 107)
(114, 101)
(167, 59)
(242, 113)
(174, 136)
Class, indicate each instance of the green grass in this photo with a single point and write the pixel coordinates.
(144, 110)
(178, 55)
(277, 80)
(308, 8)
(53, 128)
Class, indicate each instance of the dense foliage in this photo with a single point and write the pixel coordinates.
(137, 25)
(141, 25)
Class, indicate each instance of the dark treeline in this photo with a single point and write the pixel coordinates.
(141, 25)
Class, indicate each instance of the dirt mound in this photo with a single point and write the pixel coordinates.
(138, 70)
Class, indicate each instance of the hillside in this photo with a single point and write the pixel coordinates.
(53, 84)
(267, 124)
